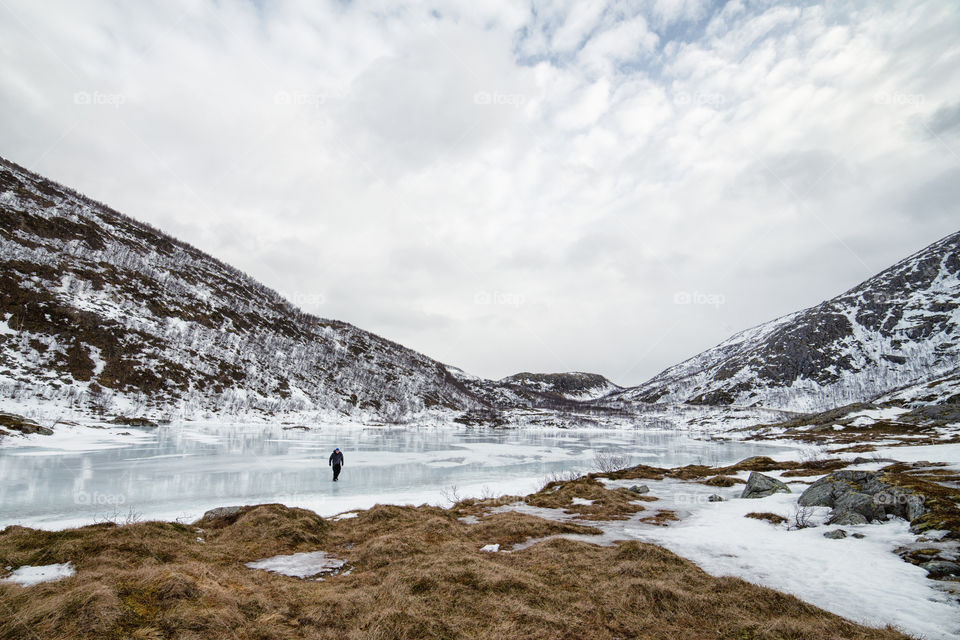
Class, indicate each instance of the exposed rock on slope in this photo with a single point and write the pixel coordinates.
(899, 328)
(100, 311)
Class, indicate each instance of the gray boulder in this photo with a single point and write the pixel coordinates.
(761, 486)
(941, 568)
(836, 534)
(908, 506)
(861, 503)
(862, 494)
(821, 494)
(640, 488)
(847, 518)
(715, 498)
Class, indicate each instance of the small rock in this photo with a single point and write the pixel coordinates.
(941, 568)
(761, 486)
(640, 488)
(858, 536)
(837, 534)
(715, 498)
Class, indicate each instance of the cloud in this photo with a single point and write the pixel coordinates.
(507, 186)
(945, 120)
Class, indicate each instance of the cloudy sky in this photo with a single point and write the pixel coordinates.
(507, 185)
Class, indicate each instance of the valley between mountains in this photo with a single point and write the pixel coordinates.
(165, 421)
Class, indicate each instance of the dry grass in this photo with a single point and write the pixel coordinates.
(941, 499)
(723, 481)
(417, 573)
(722, 476)
(608, 504)
(661, 518)
(911, 429)
(772, 518)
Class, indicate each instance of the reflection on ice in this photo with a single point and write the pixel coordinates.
(82, 475)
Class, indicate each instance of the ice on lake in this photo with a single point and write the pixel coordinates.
(82, 475)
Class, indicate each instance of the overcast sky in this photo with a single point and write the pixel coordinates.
(509, 186)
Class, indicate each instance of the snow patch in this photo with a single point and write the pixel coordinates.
(299, 565)
(5, 329)
(27, 575)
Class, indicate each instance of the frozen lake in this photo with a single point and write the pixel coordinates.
(82, 475)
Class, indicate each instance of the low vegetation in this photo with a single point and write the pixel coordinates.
(414, 572)
(772, 518)
(840, 429)
(722, 476)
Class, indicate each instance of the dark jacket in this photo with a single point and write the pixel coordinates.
(336, 458)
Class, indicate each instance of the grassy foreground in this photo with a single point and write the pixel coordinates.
(416, 572)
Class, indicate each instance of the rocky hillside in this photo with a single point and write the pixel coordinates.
(100, 312)
(896, 330)
(574, 385)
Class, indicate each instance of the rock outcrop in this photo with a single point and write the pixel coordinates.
(20, 424)
(859, 497)
(761, 486)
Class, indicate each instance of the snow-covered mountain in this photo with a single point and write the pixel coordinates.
(101, 313)
(896, 330)
(98, 311)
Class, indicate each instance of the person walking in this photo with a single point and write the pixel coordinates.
(336, 461)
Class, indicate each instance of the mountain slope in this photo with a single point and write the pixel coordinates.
(98, 311)
(899, 328)
(574, 385)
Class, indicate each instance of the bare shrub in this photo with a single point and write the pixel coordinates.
(610, 461)
(560, 477)
(802, 517)
(451, 494)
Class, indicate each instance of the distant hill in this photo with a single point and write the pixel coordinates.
(574, 385)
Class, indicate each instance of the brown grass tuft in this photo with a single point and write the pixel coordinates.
(608, 504)
(772, 518)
